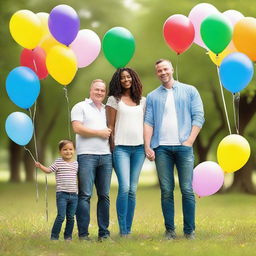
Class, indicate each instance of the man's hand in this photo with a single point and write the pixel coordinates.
(187, 143)
(150, 154)
(105, 133)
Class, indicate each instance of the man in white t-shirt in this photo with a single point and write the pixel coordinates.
(94, 159)
(173, 118)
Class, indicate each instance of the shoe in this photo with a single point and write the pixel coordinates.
(84, 238)
(170, 234)
(54, 239)
(190, 236)
(68, 239)
(105, 238)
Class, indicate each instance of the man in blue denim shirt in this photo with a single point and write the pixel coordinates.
(173, 119)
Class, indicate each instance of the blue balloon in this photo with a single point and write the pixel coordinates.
(19, 128)
(236, 72)
(23, 87)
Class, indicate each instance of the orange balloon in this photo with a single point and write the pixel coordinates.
(244, 37)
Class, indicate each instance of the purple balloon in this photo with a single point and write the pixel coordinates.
(64, 24)
(208, 178)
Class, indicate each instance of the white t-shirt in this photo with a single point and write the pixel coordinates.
(90, 116)
(169, 130)
(129, 122)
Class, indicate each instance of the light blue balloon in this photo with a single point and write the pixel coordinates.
(236, 72)
(23, 87)
(19, 128)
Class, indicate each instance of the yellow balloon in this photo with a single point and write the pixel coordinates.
(61, 64)
(48, 42)
(44, 16)
(233, 152)
(26, 28)
(218, 59)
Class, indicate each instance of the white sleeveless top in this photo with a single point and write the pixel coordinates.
(129, 122)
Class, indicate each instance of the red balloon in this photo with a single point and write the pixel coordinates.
(35, 59)
(179, 33)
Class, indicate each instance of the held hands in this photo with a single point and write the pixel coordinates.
(105, 133)
(150, 154)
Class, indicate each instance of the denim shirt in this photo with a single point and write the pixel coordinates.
(189, 109)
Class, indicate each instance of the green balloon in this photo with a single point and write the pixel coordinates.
(216, 32)
(118, 46)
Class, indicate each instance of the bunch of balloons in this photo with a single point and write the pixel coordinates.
(230, 40)
(53, 42)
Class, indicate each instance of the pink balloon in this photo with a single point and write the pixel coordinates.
(86, 47)
(197, 14)
(208, 178)
(234, 16)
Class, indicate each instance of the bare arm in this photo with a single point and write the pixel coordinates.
(148, 132)
(111, 120)
(84, 131)
(192, 137)
(42, 167)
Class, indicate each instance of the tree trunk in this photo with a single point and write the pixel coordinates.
(243, 178)
(15, 157)
(29, 167)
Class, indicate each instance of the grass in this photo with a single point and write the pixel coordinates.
(226, 225)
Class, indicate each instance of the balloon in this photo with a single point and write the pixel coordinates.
(208, 178)
(233, 16)
(197, 15)
(61, 64)
(86, 47)
(26, 28)
(19, 128)
(233, 152)
(43, 16)
(244, 37)
(236, 72)
(64, 24)
(216, 32)
(179, 33)
(35, 59)
(217, 59)
(118, 46)
(48, 42)
(22, 86)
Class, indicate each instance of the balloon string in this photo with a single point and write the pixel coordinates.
(236, 99)
(30, 154)
(69, 117)
(36, 170)
(36, 152)
(177, 62)
(223, 99)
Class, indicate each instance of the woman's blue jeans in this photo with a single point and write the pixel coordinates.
(66, 206)
(165, 158)
(127, 161)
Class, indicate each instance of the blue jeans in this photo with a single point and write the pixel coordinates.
(128, 161)
(66, 206)
(93, 169)
(165, 158)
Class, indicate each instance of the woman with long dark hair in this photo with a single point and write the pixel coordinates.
(125, 112)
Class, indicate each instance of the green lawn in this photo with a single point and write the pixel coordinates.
(226, 225)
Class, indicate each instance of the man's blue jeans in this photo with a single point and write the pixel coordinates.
(93, 169)
(66, 206)
(165, 158)
(128, 161)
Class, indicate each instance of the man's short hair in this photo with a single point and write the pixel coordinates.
(162, 60)
(96, 81)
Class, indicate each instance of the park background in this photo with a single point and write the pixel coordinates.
(225, 222)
